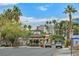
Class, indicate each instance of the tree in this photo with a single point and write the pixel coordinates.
(11, 14)
(16, 13)
(11, 31)
(70, 10)
(63, 26)
(57, 38)
(54, 21)
(10, 28)
(25, 26)
(76, 30)
(50, 22)
(47, 22)
(8, 14)
(29, 27)
(46, 26)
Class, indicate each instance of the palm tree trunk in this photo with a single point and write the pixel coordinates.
(70, 25)
(70, 32)
(11, 45)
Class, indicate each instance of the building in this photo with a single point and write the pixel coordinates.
(75, 40)
(41, 28)
(37, 39)
(50, 28)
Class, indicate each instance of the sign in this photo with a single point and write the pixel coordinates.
(75, 37)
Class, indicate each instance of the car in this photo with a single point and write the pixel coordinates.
(58, 45)
(48, 45)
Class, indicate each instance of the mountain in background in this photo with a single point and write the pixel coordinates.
(76, 20)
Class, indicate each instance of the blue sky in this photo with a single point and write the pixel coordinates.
(37, 13)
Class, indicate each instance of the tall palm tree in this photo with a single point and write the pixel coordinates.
(25, 26)
(54, 21)
(29, 27)
(16, 13)
(70, 10)
(50, 22)
(47, 22)
(46, 26)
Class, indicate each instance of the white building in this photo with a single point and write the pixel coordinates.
(75, 40)
(41, 28)
(50, 28)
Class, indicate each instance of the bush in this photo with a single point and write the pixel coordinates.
(57, 38)
(67, 43)
(3, 45)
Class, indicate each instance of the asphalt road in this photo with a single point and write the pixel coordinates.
(23, 51)
(27, 51)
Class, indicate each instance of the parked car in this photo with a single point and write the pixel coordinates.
(58, 44)
(48, 45)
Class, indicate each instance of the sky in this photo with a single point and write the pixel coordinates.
(37, 14)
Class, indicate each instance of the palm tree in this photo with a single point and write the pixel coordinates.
(70, 10)
(25, 26)
(8, 14)
(29, 27)
(54, 21)
(47, 22)
(16, 13)
(46, 26)
(50, 22)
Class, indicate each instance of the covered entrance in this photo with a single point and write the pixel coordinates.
(36, 40)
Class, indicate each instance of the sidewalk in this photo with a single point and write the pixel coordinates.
(19, 47)
(5, 47)
(28, 47)
(63, 52)
(75, 52)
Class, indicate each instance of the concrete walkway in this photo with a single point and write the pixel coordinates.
(63, 52)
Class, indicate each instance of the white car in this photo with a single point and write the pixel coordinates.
(58, 44)
(48, 45)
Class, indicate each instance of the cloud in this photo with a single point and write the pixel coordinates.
(26, 19)
(42, 8)
(34, 22)
(5, 4)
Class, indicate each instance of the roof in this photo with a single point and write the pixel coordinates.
(37, 36)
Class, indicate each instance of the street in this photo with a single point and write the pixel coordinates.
(26, 52)
(23, 51)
